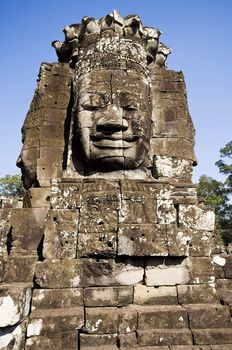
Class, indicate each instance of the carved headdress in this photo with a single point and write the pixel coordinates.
(111, 42)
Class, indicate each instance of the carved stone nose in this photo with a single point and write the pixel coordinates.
(112, 121)
(19, 161)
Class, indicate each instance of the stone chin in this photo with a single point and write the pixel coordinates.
(108, 164)
(105, 156)
(28, 178)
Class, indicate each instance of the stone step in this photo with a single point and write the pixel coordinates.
(97, 340)
(111, 347)
(57, 298)
(162, 317)
(51, 321)
(208, 316)
(60, 341)
(196, 294)
(217, 336)
(190, 347)
(144, 295)
(160, 337)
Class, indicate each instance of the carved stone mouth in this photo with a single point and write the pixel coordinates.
(110, 143)
(123, 137)
(118, 140)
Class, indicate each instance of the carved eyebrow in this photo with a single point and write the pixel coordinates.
(93, 107)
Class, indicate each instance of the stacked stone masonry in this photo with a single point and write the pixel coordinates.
(120, 256)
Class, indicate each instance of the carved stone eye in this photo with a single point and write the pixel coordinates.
(130, 108)
(90, 108)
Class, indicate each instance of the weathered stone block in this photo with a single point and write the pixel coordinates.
(100, 205)
(93, 340)
(201, 270)
(164, 337)
(57, 298)
(97, 272)
(51, 136)
(110, 320)
(162, 317)
(108, 347)
(196, 217)
(137, 207)
(179, 241)
(14, 303)
(27, 230)
(66, 195)
(101, 320)
(129, 272)
(97, 244)
(160, 272)
(197, 294)
(53, 321)
(190, 347)
(5, 239)
(142, 240)
(44, 171)
(20, 269)
(37, 197)
(212, 336)
(108, 296)
(221, 347)
(166, 213)
(154, 296)
(173, 147)
(223, 284)
(127, 319)
(225, 296)
(228, 267)
(198, 243)
(147, 348)
(128, 340)
(13, 338)
(208, 316)
(55, 273)
(189, 242)
(71, 273)
(60, 234)
(172, 167)
(53, 342)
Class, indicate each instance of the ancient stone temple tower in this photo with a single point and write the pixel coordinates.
(111, 249)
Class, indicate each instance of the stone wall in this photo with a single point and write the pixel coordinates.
(123, 257)
(113, 264)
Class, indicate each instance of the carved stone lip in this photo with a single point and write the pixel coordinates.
(117, 136)
(109, 143)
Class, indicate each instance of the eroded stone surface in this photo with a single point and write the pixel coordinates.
(14, 303)
(166, 272)
(13, 338)
(111, 237)
(152, 295)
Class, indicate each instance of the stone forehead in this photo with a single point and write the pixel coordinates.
(101, 87)
(96, 81)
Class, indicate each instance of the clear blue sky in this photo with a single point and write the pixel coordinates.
(198, 31)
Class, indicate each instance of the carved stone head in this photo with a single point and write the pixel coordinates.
(108, 108)
(113, 119)
(112, 90)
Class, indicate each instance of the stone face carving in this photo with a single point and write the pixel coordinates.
(112, 249)
(25, 163)
(112, 119)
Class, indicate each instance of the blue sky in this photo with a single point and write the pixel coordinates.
(199, 32)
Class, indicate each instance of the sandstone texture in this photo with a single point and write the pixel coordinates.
(111, 249)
